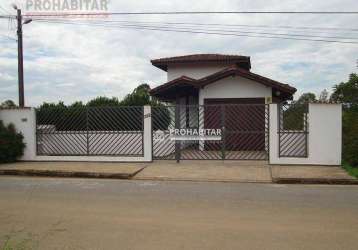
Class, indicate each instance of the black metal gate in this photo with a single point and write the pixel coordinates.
(108, 131)
(244, 130)
(293, 130)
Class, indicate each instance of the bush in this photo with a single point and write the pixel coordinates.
(350, 136)
(11, 143)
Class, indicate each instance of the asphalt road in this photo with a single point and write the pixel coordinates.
(51, 213)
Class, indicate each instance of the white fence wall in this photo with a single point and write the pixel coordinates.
(25, 122)
(324, 138)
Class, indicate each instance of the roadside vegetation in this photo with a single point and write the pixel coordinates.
(11, 143)
(347, 94)
(353, 171)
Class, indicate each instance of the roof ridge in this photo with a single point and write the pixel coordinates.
(163, 63)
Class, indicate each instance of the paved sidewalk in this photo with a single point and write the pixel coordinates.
(223, 171)
(73, 169)
(220, 171)
(311, 174)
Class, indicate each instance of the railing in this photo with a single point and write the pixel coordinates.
(244, 132)
(293, 130)
(114, 131)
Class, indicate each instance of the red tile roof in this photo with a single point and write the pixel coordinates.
(246, 74)
(163, 63)
(180, 80)
(230, 71)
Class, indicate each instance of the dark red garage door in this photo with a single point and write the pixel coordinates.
(243, 119)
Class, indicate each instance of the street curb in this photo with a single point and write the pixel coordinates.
(198, 180)
(315, 181)
(131, 176)
(69, 174)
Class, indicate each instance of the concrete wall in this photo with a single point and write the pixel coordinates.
(25, 122)
(324, 138)
(234, 87)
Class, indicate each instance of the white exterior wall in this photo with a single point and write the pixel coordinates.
(234, 87)
(25, 122)
(324, 138)
(193, 70)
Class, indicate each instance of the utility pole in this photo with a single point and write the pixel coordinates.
(20, 59)
(20, 63)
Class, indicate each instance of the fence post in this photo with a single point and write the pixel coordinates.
(223, 130)
(177, 126)
(87, 132)
(273, 132)
(147, 133)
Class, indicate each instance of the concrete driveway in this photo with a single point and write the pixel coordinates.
(92, 214)
(225, 171)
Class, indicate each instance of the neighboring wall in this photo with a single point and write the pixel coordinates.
(234, 87)
(324, 138)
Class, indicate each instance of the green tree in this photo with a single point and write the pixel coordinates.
(139, 97)
(306, 98)
(8, 104)
(74, 117)
(11, 143)
(103, 101)
(350, 135)
(346, 92)
(294, 114)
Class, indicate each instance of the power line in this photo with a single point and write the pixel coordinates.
(200, 13)
(221, 30)
(6, 11)
(206, 32)
(7, 16)
(217, 24)
(8, 37)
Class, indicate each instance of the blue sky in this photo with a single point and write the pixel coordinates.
(70, 63)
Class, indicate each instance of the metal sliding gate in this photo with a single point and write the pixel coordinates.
(293, 130)
(72, 131)
(244, 130)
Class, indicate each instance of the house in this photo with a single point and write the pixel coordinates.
(215, 91)
(216, 79)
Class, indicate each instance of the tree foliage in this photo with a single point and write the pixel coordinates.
(8, 104)
(306, 98)
(76, 116)
(294, 114)
(347, 93)
(103, 101)
(350, 135)
(11, 143)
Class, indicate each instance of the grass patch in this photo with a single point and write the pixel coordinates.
(353, 171)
